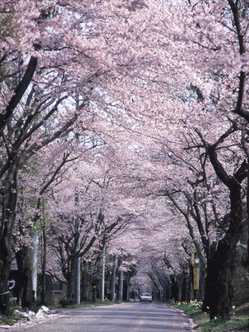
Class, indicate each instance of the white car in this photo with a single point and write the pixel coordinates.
(146, 297)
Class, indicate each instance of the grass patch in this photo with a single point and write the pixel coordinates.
(9, 320)
(238, 322)
(191, 308)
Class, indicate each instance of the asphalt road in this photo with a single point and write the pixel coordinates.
(130, 317)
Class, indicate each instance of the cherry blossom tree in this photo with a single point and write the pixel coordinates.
(160, 91)
(228, 19)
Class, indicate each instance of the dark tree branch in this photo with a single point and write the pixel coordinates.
(19, 92)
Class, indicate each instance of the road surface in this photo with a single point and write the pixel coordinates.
(130, 317)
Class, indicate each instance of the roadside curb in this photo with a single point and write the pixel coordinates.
(24, 324)
(192, 324)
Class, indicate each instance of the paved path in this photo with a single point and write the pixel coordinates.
(130, 317)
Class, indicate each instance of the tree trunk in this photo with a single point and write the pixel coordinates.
(128, 288)
(121, 286)
(70, 288)
(74, 280)
(202, 280)
(77, 279)
(86, 289)
(24, 263)
(94, 291)
(5, 263)
(220, 265)
(247, 210)
(27, 262)
(113, 283)
(219, 288)
(179, 280)
(70, 277)
(190, 281)
(8, 201)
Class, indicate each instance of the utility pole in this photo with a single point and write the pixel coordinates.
(103, 274)
(78, 273)
(34, 253)
(77, 258)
